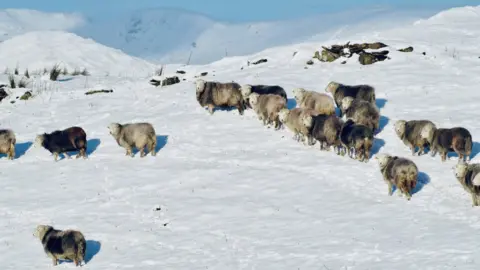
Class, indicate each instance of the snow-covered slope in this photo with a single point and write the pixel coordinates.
(19, 21)
(224, 192)
(43, 49)
(170, 36)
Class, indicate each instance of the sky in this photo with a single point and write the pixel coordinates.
(229, 10)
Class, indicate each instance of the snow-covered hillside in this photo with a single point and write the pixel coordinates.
(19, 21)
(224, 192)
(43, 49)
(176, 36)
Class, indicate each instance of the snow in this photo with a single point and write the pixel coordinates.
(37, 50)
(19, 21)
(224, 192)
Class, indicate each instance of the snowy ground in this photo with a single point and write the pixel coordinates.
(224, 192)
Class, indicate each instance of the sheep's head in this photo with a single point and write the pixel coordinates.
(298, 94)
(246, 90)
(283, 114)
(332, 87)
(347, 103)
(460, 170)
(39, 139)
(400, 127)
(307, 120)
(200, 85)
(41, 230)
(114, 129)
(253, 99)
(383, 159)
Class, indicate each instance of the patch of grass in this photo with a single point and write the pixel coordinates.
(45, 71)
(85, 72)
(22, 83)
(11, 81)
(26, 96)
(55, 72)
(26, 74)
(7, 71)
(65, 71)
(159, 71)
(15, 71)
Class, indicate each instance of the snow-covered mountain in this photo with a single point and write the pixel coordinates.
(225, 192)
(37, 50)
(177, 36)
(19, 21)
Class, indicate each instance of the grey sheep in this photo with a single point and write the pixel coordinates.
(292, 119)
(62, 245)
(325, 129)
(217, 94)
(340, 91)
(362, 112)
(357, 137)
(468, 175)
(267, 107)
(415, 133)
(319, 102)
(457, 139)
(135, 135)
(7, 143)
(400, 172)
(261, 89)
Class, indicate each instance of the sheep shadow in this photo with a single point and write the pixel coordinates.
(93, 248)
(224, 109)
(380, 102)
(162, 140)
(422, 180)
(377, 145)
(92, 145)
(291, 103)
(22, 148)
(475, 151)
(383, 122)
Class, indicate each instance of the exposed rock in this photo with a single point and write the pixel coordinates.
(204, 73)
(170, 81)
(408, 49)
(263, 60)
(372, 57)
(310, 62)
(180, 72)
(3, 94)
(91, 92)
(26, 96)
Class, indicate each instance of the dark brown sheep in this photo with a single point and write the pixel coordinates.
(63, 141)
(340, 91)
(457, 139)
(358, 137)
(401, 172)
(325, 129)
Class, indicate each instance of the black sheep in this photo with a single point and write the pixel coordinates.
(63, 141)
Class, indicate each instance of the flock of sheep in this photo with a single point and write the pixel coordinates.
(353, 131)
(314, 119)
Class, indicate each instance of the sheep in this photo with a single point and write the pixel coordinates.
(7, 143)
(415, 133)
(319, 102)
(217, 94)
(134, 135)
(400, 172)
(63, 141)
(292, 119)
(457, 139)
(358, 137)
(267, 107)
(261, 89)
(361, 112)
(468, 175)
(340, 91)
(325, 129)
(62, 245)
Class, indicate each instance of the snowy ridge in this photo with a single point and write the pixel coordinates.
(19, 21)
(43, 49)
(224, 192)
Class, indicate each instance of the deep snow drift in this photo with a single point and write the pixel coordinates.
(224, 192)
